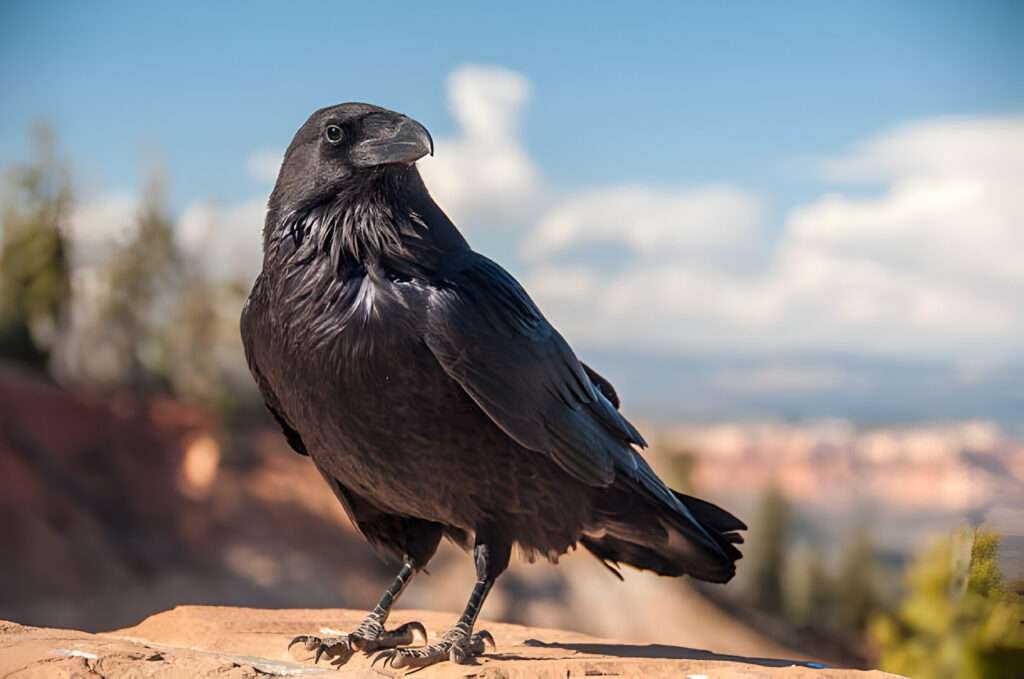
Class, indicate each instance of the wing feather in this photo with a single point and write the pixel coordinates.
(489, 336)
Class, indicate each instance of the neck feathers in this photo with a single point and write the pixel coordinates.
(390, 220)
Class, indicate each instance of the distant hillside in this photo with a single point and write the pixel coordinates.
(907, 482)
(873, 390)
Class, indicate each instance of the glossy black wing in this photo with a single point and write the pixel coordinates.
(603, 384)
(489, 336)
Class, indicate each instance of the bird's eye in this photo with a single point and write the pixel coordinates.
(333, 134)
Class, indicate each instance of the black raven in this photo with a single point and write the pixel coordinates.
(432, 394)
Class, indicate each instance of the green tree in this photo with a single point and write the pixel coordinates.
(769, 551)
(810, 592)
(142, 280)
(856, 598)
(946, 628)
(35, 287)
(206, 349)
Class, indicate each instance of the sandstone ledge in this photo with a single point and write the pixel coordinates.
(203, 641)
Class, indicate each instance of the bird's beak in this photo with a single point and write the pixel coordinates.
(391, 138)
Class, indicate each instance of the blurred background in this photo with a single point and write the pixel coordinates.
(792, 235)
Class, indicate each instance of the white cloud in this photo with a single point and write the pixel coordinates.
(228, 239)
(953, 207)
(776, 378)
(486, 167)
(101, 218)
(649, 220)
(564, 284)
(932, 265)
(940, 147)
(939, 256)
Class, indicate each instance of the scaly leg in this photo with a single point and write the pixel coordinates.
(459, 644)
(370, 636)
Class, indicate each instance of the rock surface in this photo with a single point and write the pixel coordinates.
(206, 641)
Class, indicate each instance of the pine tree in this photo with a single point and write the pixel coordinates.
(769, 552)
(35, 278)
(810, 592)
(142, 281)
(943, 630)
(856, 599)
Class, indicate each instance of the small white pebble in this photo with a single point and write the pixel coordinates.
(696, 676)
(75, 653)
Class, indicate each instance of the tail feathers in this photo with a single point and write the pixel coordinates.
(613, 551)
(714, 518)
(665, 542)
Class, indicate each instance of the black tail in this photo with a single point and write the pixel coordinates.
(655, 536)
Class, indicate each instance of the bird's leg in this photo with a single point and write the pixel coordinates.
(459, 644)
(370, 635)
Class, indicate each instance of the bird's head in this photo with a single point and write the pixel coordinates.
(343, 148)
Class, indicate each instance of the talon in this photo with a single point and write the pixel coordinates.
(417, 630)
(488, 640)
(383, 655)
(369, 638)
(454, 647)
(305, 639)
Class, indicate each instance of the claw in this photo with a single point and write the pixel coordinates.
(488, 640)
(305, 639)
(417, 630)
(386, 656)
(454, 647)
(368, 638)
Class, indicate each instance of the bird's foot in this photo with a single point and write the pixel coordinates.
(456, 646)
(370, 636)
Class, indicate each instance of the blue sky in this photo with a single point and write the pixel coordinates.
(822, 195)
(662, 92)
